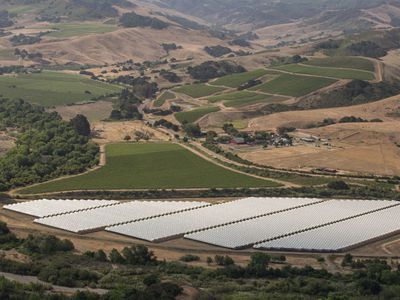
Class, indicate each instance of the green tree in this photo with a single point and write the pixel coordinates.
(81, 125)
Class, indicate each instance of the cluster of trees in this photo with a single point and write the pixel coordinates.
(240, 42)
(366, 48)
(46, 244)
(377, 191)
(377, 44)
(47, 147)
(12, 69)
(134, 20)
(249, 84)
(166, 124)
(126, 107)
(7, 238)
(346, 119)
(170, 47)
(89, 9)
(186, 23)
(163, 112)
(140, 86)
(213, 69)
(24, 54)
(192, 130)
(217, 51)
(5, 20)
(295, 59)
(329, 44)
(170, 76)
(22, 39)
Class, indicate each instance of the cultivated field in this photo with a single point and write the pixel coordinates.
(236, 80)
(163, 97)
(198, 90)
(294, 85)
(192, 116)
(152, 166)
(242, 98)
(347, 62)
(328, 72)
(54, 88)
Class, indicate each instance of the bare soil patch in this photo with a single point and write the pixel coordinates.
(6, 143)
(95, 111)
(111, 132)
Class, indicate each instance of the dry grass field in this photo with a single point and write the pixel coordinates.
(300, 119)
(95, 111)
(138, 44)
(111, 132)
(361, 148)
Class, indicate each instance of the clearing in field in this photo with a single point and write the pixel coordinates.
(73, 30)
(347, 62)
(195, 114)
(199, 90)
(295, 85)
(164, 97)
(54, 88)
(328, 72)
(236, 80)
(152, 166)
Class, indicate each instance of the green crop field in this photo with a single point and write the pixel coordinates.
(231, 96)
(259, 98)
(295, 85)
(236, 80)
(349, 62)
(241, 98)
(164, 97)
(328, 72)
(64, 30)
(198, 90)
(152, 166)
(195, 114)
(54, 88)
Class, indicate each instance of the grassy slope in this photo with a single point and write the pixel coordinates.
(295, 85)
(236, 80)
(328, 72)
(152, 166)
(52, 88)
(343, 62)
(164, 97)
(71, 30)
(195, 114)
(198, 90)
